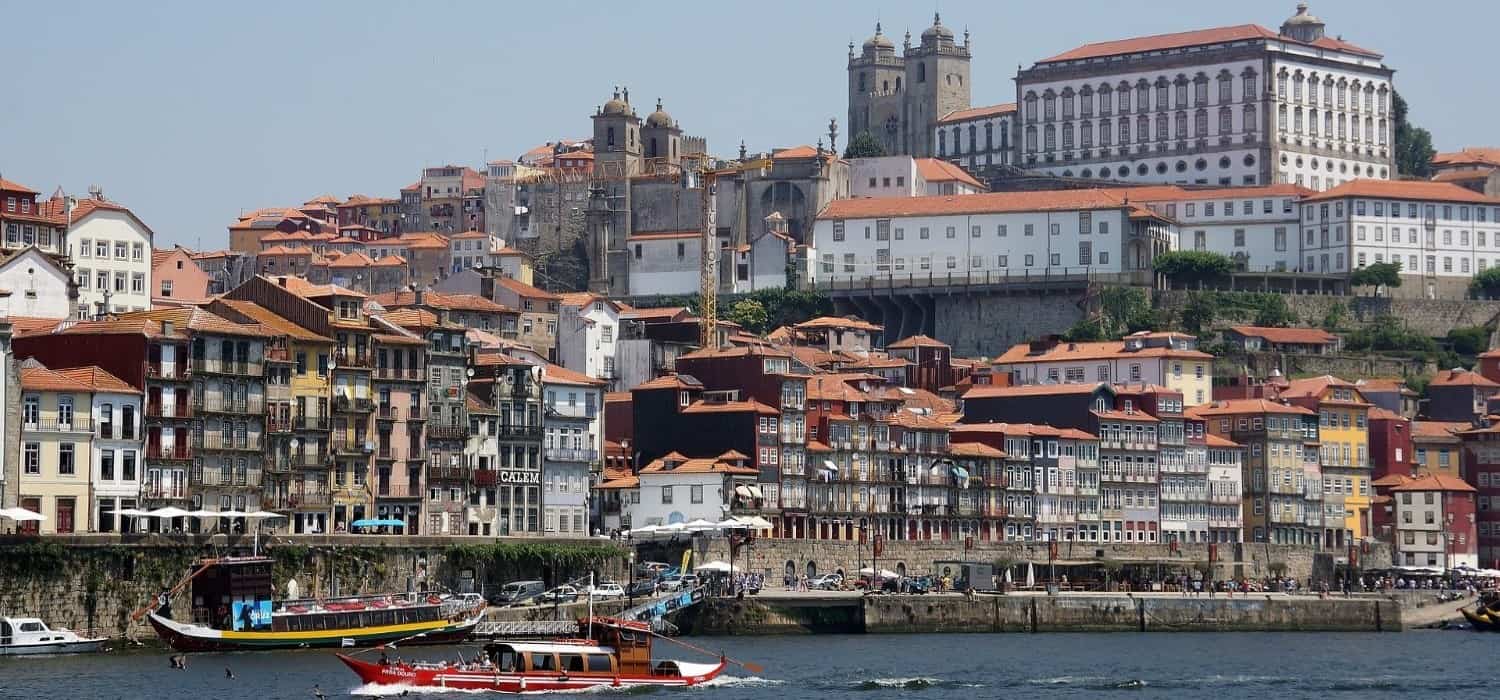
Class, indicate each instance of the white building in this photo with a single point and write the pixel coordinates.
(588, 326)
(33, 285)
(1225, 488)
(1256, 226)
(1229, 106)
(986, 237)
(482, 453)
(572, 441)
(978, 137)
(1172, 360)
(664, 263)
(111, 251)
(119, 440)
(1441, 233)
(675, 489)
(904, 176)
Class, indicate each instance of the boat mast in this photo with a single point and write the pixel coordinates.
(591, 606)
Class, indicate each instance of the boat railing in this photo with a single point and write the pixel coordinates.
(413, 599)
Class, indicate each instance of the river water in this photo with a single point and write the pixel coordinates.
(1231, 665)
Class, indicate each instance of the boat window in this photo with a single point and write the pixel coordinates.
(572, 662)
(506, 660)
(31, 627)
(599, 663)
(543, 662)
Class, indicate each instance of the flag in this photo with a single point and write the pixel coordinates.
(687, 560)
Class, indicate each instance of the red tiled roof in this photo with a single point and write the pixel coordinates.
(936, 170)
(1460, 377)
(1296, 336)
(1317, 387)
(355, 259)
(1029, 429)
(803, 151)
(751, 406)
(1435, 482)
(303, 288)
(655, 313)
(696, 466)
(522, 289)
(1463, 175)
(917, 341)
(1215, 441)
(1198, 37)
(991, 391)
(982, 203)
(1378, 413)
(13, 186)
(1232, 407)
(271, 321)
(557, 374)
(29, 325)
(1436, 429)
(1021, 353)
(96, 379)
(978, 113)
(1474, 155)
(974, 449)
(1403, 189)
(838, 322)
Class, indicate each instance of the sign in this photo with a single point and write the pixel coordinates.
(519, 476)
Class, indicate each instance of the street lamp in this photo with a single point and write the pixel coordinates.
(631, 590)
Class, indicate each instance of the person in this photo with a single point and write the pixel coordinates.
(228, 673)
(318, 692)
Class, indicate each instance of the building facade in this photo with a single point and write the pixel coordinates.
(898, 99)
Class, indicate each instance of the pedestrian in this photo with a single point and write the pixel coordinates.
(228, 673)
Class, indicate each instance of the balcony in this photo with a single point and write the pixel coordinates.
(447, 432)
(346, 404)
(79, 424)
(219, 477)
(176, 372)
(179, 453)
(229, 367)
(387, 454)
(164, 492)
(306, 422)
(180, 411)
(398, 490)
(519, 432)
(447, 474)
(346, 359)
(584, 411)
(308, 459)
(210, 404)
(387, 412)
(407, 374)
(218, 443)
(569, 454)
(279, 425)
(345, 447)
(301, 499)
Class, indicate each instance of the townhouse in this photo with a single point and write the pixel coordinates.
(1282, 477)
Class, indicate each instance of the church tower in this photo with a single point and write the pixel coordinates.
(937, 82)
(661, 139)
(1302, 26)
(617, 136)
(876, 92)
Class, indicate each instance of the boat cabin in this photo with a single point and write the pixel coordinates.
(234, 594)
(555, 658)
(27, 630)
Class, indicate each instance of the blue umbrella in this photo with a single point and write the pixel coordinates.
(383, 522)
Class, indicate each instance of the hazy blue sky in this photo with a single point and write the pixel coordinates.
(189, 112)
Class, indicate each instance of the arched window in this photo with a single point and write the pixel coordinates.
(1005, 135)
(1104, 132)
(973, 138)
(942, 143)
(1226, 121)
(1161, 126)
(1086, 101)
(1030, 106)
(921, 72)
(1067, 135)
(1142, 129)
(958, 145)
(989, 136)
(1281, 118)
(1312, 122)
(1142, 96)
(1049, 137)
(1124, 131)
(1031, 139)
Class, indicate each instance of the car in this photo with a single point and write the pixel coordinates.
(671, 583)
(652, 569)
(607, 590)
(690, 581)
(642, 588)
(561, 594)
(826, 582)
(517, 592)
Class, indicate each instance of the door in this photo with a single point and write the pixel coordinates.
(65, 514)
(34, 505)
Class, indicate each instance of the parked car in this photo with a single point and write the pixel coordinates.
(607, 590)
(561, 594)
(826, 582)
(690, 581)
(671, 583)
(918, 584)
(642, 588)
(517, 592)
(652, 569)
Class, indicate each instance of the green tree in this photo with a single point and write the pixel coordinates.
(1486, 284)
(750, 314)
(1414, 149)
(1337, 315)
(864, 145)
(1087, 330)
(1199, 312)
(1189, 267)
(1470, 341)
(1377, 275)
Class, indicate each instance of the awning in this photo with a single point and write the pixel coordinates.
(754, 491)
(961, 474)
(742, 491)
(829, 466)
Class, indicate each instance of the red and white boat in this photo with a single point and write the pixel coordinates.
(619, 657)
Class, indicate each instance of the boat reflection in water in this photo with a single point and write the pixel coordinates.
(233, 609)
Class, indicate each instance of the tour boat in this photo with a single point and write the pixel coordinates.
(619, 658)
(232, 609)
(28, 635)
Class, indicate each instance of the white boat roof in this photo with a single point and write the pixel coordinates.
(18, 620)
(557, 648)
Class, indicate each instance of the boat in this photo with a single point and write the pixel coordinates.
(620, 657)
(1485, 616)
(232, 609)
(22, 636)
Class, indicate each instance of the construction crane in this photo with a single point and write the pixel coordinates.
(708, 274)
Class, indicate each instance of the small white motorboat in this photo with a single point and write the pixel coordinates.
(29, 635)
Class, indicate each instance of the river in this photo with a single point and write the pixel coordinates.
(1221, 666)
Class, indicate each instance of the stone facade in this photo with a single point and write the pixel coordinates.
(899, 99)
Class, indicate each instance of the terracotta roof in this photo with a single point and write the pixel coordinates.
(917, 341)
(1028, 429)
(1403, 189)
(1212, 440)
(1317, 387)
(837, 387)
(978, 112)
(557, 374)
(474, 403)
(1379, 413)
(13, 186)
(423, 240)
(43, 379)
(838, 322)
(1299, 336)
(469, 235)
(1392, 479)
(815, 446)
(438, 300)
(391, 261)
(671, 381)
(522, 289)
(751, 406)
(1463, 175)
(303, 288)
(974, 449)
(936, 170)
(736, 351)
(1480, 155)
(982, 203)
(621, 482)
(1021, 353)
(355, 259)
(1168, 193)
(413, 318)
(991, 391)
(1199, 37)
(1232, 407)
(655, 313)
(733, 455)
(28, 325)
(803, 151)
(1435, 482)
(1436, 429)
(696, 466)
(1460, 377)
(914, 421)
(1114, 414)
(397, 339)
(271, 321)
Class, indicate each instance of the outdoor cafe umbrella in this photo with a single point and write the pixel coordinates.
(378, 522)
(1030, 575)
(715, 566)
(732, 524)
(132, 512)
(168, 512)
(700, 525)
(647, 530)
(21, 515)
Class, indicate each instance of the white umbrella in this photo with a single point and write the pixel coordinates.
(1030, 576)
(228, 514)
(647, 530)
(731, 524)
(201, 514)
(759, 523)
(717, 566)
(132, 512)
(168, 512)
(21, 515)
(700, 525)
(263, 514)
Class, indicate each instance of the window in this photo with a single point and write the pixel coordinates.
(696, 493)
(33, 458)
(83, 248)
(666, 494)
(838, 235)
(137, 252)
(166, 286)
(65, 464)
(138, 283)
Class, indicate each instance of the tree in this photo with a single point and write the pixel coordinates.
(1414, 149)
(1193, 266)
(1377, 275)
(750, 314)
(864, 145)
(1470, 340)
(1486, 284)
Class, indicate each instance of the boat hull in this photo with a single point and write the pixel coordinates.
(82, 646)
(184, 637)
(488, 679)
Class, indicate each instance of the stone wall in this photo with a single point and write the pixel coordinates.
(770, 556)
(95, 582)
(1434, 317)
(1260, 364)
(983, 325)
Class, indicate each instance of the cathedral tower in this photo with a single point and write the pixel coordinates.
(937, 82)
(876, 92)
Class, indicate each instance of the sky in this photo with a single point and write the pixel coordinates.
(191, 112)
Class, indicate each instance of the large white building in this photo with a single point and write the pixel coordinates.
(111, 251)
(1255, 226)
(1239, 105)
(572, 442)
(588, 327)
(986, 237)
(1441, 233)
(33, 284)
(979, 137)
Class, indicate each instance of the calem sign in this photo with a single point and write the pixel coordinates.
(519, 476)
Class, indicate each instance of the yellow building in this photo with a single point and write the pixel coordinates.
(1436, 447)
(1172, 360)
(1344, 434)
(57, 432)
(297, 418)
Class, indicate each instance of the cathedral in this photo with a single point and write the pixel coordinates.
(899, 99)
